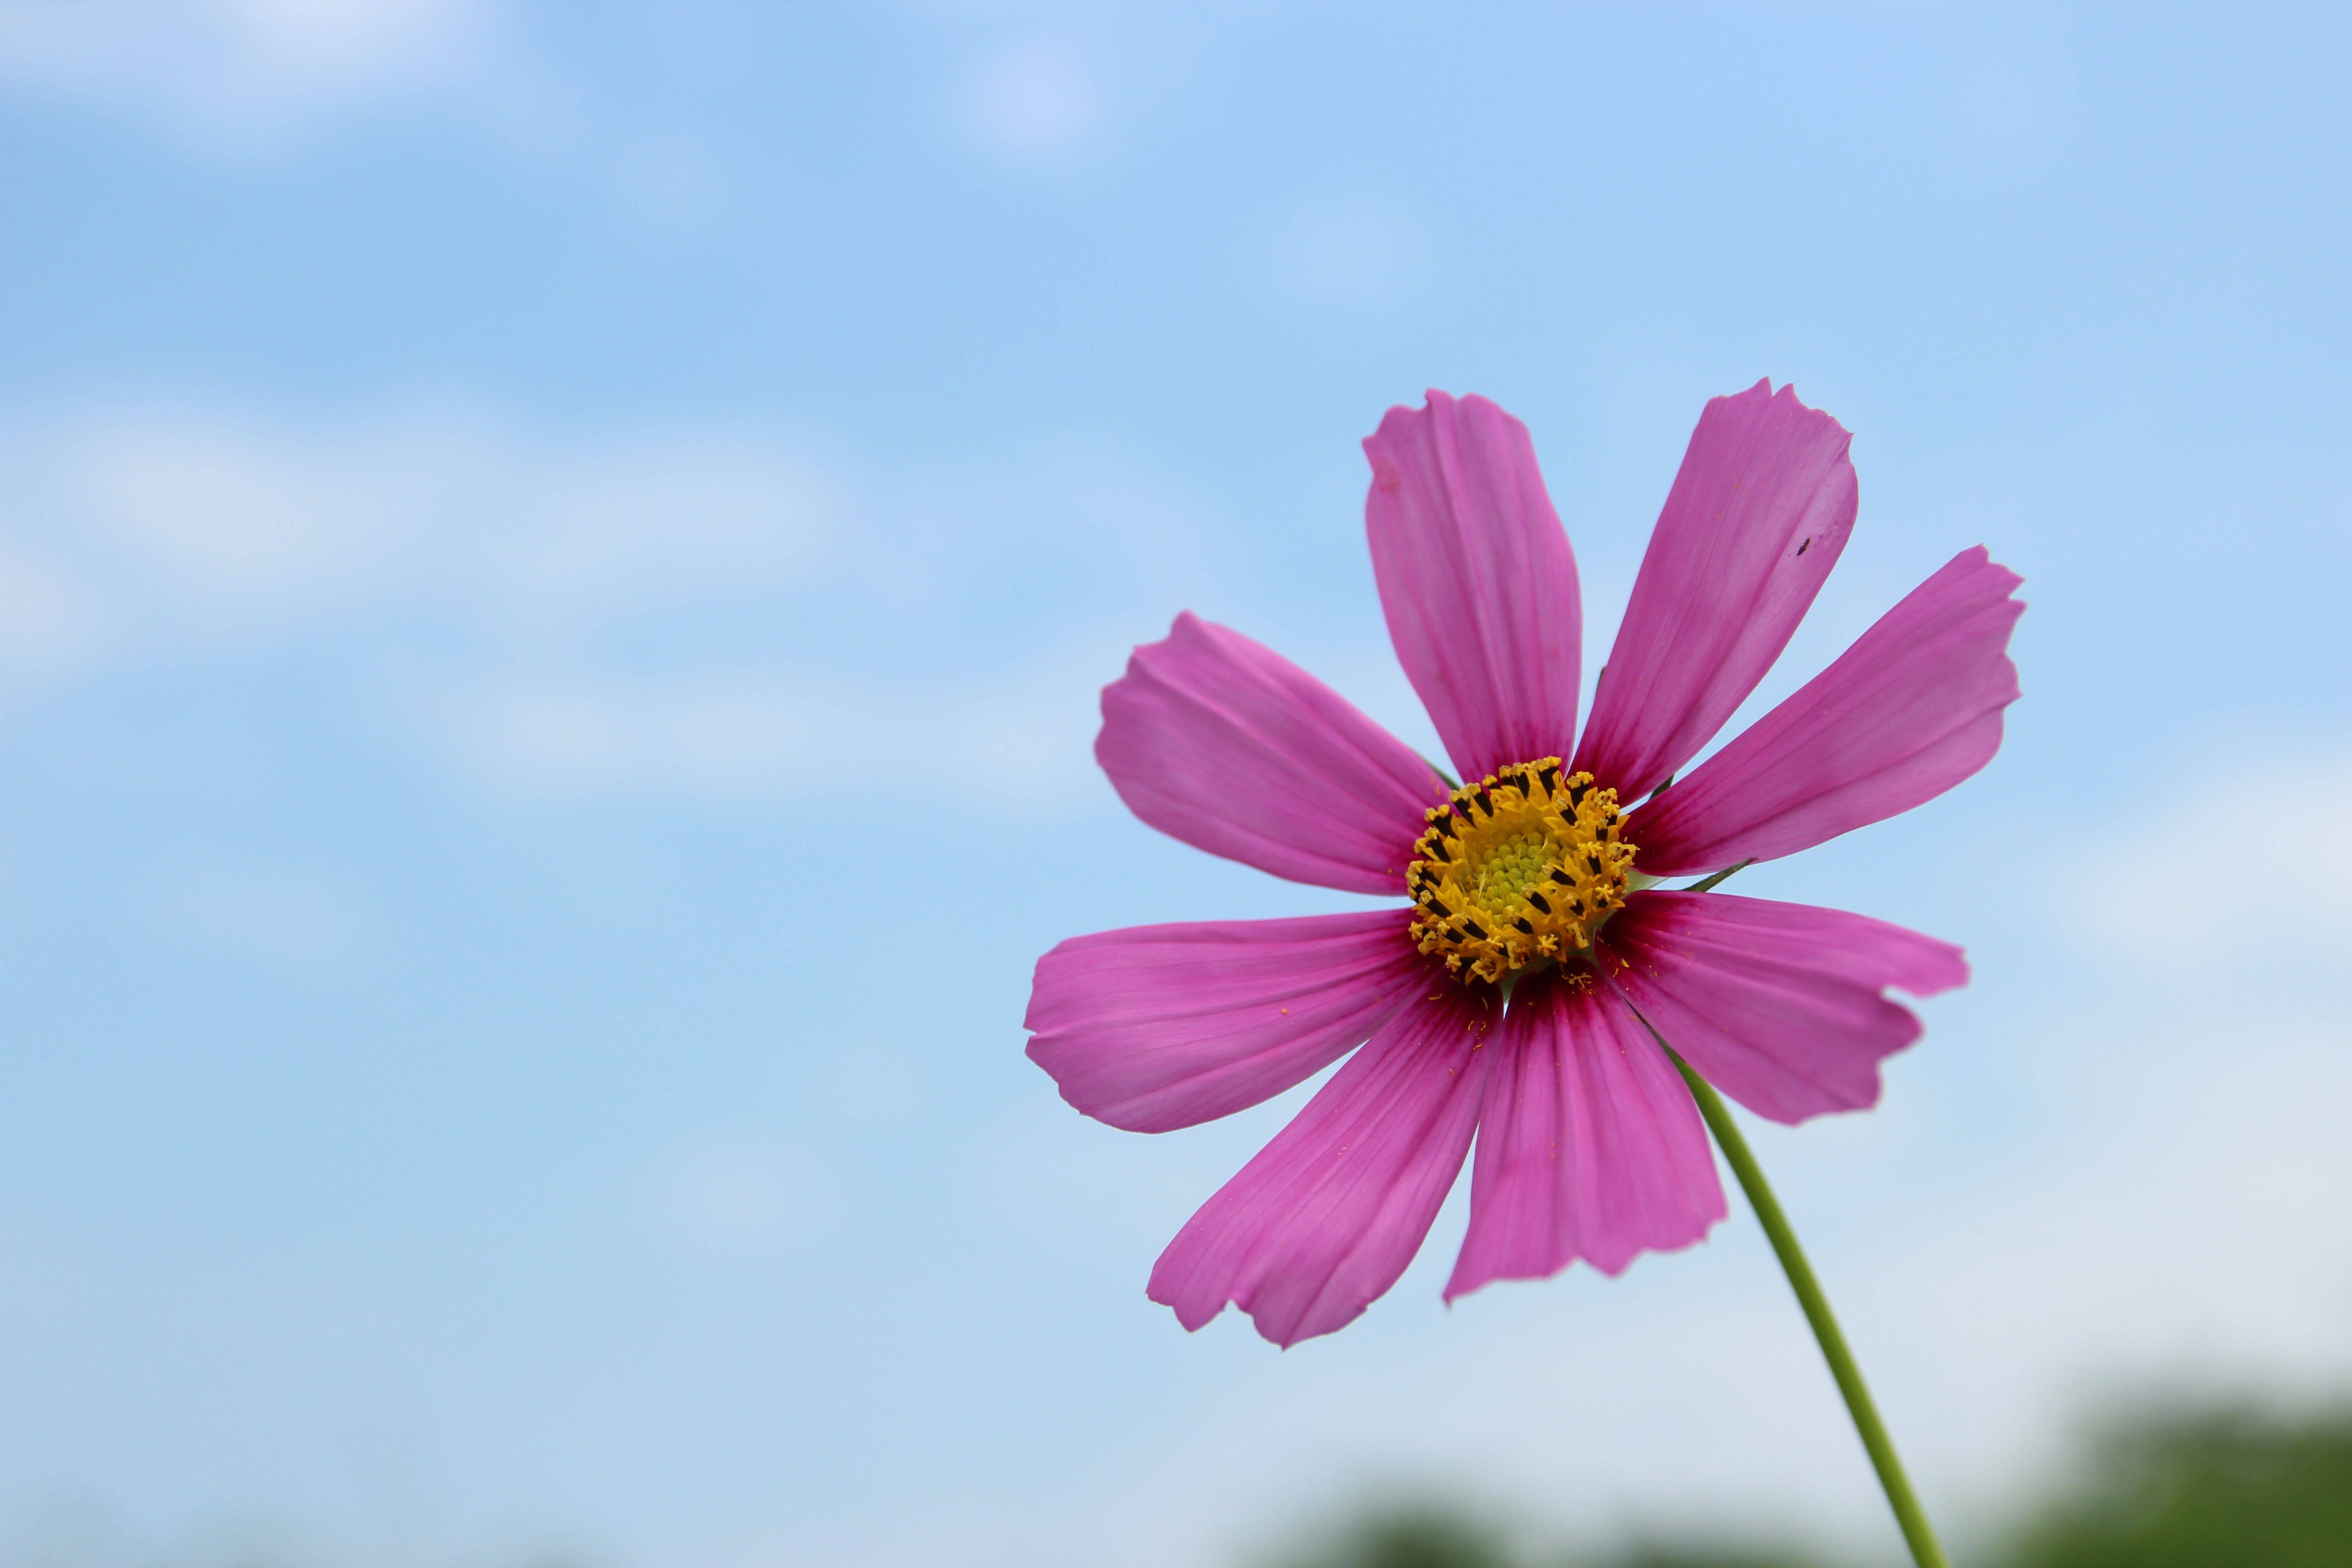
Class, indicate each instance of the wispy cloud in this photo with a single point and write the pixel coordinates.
(1036, 99)
(1056, 87)
(172, 526)
(266, 82)
(2267, 870)
(240, 74)
(662, 611)
(1017, 737)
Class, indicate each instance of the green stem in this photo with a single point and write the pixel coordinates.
(1899, 1496)
(1709, 884)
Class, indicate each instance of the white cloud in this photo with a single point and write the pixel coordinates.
(246, 80)
(158, 528)
(680, 611)
(239, 72)
(224, 522)
(46, 623)
(1034, 99)
(1017, 737)
(2269, 870)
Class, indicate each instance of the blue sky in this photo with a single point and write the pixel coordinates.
(554, 567)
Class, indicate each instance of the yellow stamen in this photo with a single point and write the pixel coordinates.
(1516, 868)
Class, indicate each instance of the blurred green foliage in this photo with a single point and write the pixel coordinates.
(1667, 1555)
(1430, 1535)
(2229, 1489)
(2232, 1488)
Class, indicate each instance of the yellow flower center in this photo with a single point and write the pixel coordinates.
(1516, 868)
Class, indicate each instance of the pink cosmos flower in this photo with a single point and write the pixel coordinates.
(1507, 1000)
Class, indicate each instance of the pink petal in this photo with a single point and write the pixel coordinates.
(1212, 738)
(1909, 711)
(1325, 1218)
(1477, 579)
(1755, 519)
(1588, 1145)
(1778, 1006)
(1163, 1026)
